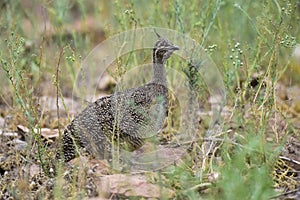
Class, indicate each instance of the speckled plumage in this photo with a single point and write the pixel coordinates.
(124, 118)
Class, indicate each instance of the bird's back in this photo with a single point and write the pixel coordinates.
(124, 119)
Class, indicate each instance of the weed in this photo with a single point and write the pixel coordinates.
(250, 42)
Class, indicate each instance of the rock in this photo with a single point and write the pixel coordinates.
(153, 157)
(48, 105)
(49, 133)
(280, 90)
(293, 94)
(8, 134)
(131, 185)
(106, 82)
(19, 144)
(45, 132)
(2, 122)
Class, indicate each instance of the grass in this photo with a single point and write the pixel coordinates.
(248, 41)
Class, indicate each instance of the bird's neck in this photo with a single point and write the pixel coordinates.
(159, 71)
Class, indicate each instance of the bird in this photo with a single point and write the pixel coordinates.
(123, 119)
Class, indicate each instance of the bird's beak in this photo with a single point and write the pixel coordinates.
(174, 48)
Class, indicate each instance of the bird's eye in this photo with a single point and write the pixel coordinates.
(162, 51)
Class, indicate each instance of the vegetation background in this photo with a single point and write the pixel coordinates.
(252, 43)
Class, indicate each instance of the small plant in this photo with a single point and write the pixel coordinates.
(246, 171)
(23, 94)
(250, 40)
(183, 180)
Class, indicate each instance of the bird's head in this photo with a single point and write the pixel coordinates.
(163, 49)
